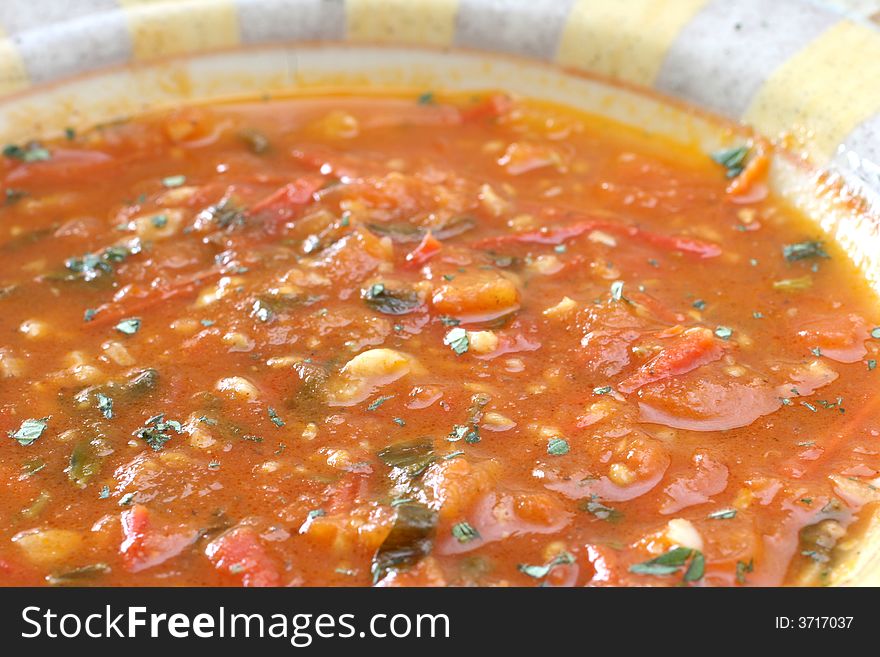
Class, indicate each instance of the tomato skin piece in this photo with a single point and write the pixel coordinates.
(492, 107)
(135, 524)
(427, 249)
(298, 192)
(707, 478)
(142, 546)
(65, 165)
(550, 236)
(239, 552)
(560, 234)
(840, 337)
(112, 312)
(693, 349)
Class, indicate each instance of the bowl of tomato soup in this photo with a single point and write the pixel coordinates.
(438, 294)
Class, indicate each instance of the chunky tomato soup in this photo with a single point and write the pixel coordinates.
(435, 340)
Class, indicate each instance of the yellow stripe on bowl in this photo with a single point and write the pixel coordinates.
(626, 39)
(13, 75)
(160, 28)
(428, 22)
(823, 92)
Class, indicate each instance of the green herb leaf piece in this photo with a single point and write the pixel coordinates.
(458, 340)
(732, 159)
(78, 575)
(666, 564)
(273, 416)
(390, 302)
(803, 251)
(464, 532)
(129, 326)
(539, 572)
(411, 456)
(29, 431)
(410, 539)
(558, 447)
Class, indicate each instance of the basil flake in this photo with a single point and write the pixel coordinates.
(29, 431)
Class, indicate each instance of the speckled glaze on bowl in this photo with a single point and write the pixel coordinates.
(803, 73)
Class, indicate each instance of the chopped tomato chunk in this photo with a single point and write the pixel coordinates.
(144, 546)
(694, 348)
(240, 553)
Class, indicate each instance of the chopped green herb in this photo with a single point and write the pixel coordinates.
(156, 431)
(129, 326)
(803, 250)
(602, 390)
(13, 195)
(95, 265)
(391, 302)
(723, 514)
(696, 568)
(871, 364)
(173, 181)
(558, 447)
(126, 499)
(875, 332)
(29, 431)
(758, 315)
(816, 351)
(37, 506)
(410, 539)
(160, 220)
(732, 159)
(89, 314)
(470, 433)
(458, 340)
(411, 456)
(376, 403)
(31, 467)
(724, 332)
(464, 532)
(399, 421)
(699, 304)
(316, 513)
(448, 321)
(426, 98)
(277, 421)
(256, 141)
(617, 291)
(539, 572)
(84, 463)
(671, 562)
(743, 568)
(77, 575)
(105, 405)
(30, 152)
(225, 214)
(601, 511)
(104, 493)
